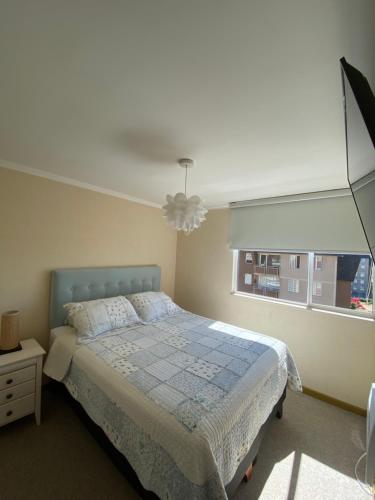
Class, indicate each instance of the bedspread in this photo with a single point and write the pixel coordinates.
(183, 398)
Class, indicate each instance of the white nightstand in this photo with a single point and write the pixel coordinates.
(20, 382)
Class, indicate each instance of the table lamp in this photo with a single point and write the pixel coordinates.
(10, 338)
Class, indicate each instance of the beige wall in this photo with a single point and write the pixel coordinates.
(335, 354)
(45, 224)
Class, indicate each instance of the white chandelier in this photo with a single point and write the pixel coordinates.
(182, 213)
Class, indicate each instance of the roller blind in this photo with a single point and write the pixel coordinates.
(326, 221)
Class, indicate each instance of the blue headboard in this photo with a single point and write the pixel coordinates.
(89, 283)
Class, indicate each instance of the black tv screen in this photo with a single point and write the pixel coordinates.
(359, 103)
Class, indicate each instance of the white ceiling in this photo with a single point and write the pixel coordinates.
(111, 93)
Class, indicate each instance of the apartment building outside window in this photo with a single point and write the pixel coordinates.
(314, 279)
(272, 275)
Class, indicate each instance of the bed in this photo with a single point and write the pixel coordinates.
(185, 399)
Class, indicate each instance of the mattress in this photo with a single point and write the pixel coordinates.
(182, 398)
(54, 333)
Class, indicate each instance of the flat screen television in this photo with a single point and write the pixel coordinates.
(359, 106)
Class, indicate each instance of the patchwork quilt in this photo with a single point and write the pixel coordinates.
(210, 386)
(182, 363)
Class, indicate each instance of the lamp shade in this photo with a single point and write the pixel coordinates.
(10, 337)
(184, 214)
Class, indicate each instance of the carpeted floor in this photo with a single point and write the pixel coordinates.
(309, 454)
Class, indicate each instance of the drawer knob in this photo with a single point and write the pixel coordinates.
(9, 381)
(9, 396)
(9, 413)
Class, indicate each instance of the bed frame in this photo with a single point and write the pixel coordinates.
(80, 284)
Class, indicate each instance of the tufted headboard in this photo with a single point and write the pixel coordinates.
(89, 283)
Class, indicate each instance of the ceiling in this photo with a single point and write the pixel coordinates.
(112, 93)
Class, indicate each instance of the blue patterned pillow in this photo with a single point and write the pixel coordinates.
(94, 317)
(151, 306)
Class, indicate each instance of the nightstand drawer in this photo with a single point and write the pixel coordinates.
(16, 392)
(17, 377)
(17, 409)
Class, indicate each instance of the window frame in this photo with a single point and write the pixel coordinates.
(309, 304)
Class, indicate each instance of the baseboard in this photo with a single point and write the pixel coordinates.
(334, 401)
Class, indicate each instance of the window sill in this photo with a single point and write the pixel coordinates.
(269, 299)
(353, 315)
(313, 308)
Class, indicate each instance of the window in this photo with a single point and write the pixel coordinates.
(339, 283)
(294, 261)
(249, 258)
(317, 288)
(293, 286)
(275, 260)
(248, 279)
(328, 281)
(318, 263)
(268, 260)
(262, 261)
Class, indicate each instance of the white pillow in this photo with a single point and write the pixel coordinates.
(151, 306)
(94, 317)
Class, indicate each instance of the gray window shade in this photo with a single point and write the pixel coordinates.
(325, 222)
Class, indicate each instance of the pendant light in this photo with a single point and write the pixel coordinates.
(183, 213)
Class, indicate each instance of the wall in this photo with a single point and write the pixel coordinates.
(45, 225)
(335, 354)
